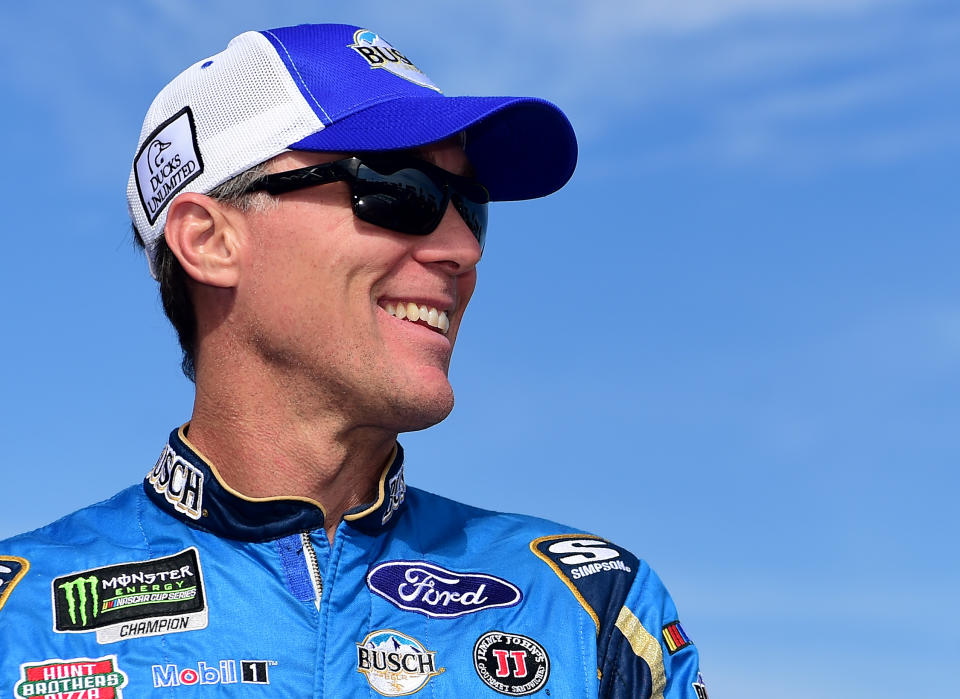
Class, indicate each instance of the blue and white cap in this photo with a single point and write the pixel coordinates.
(329, 87)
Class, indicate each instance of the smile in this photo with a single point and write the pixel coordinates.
(414, 313)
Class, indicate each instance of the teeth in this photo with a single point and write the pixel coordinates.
(412, 312)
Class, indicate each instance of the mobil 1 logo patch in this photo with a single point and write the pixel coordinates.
(251, 672)
(168, 160)
(510, 663)
(131, 600)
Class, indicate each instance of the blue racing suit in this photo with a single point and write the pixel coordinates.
(182, 586)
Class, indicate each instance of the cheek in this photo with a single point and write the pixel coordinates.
(466, 285)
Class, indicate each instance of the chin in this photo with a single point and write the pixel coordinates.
(419, 412)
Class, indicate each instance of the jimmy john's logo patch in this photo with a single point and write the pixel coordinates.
(77, 678)
(379, 54)
(510, 663)
(168, 160)
(132, 600)
(12, 570)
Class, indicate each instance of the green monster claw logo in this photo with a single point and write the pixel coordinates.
(76, 591)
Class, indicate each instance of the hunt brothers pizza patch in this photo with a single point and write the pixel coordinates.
(131, 600)
(78, 678)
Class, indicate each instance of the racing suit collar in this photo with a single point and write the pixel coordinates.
(185, 485)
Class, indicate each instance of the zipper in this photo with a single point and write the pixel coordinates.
(310, 554)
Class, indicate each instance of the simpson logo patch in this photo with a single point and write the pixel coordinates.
(379, 54)
(168, 160)
(12, 570)
(395, 664)
(78, 678)
(511, 664)
(598, 572)
(675, 637)
(131, 600)
(422, 587)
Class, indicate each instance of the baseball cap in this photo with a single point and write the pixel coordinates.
(329, 87)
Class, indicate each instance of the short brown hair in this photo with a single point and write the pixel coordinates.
(171, 277)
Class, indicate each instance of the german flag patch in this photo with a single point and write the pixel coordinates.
(675, 637)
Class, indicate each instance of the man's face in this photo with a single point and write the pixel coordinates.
(314, 294)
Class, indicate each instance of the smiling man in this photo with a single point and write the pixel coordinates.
(314, 210)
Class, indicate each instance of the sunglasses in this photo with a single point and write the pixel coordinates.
(393, 191)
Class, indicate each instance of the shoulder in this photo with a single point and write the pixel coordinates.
(89, 525)
(87, 538)
(476, 521)
(596, 572)
(641, 647)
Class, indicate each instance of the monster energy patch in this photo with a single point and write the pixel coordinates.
(131, 600)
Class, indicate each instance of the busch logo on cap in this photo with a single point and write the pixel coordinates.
(379, 54)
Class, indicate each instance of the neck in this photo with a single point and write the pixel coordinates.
(265, 446)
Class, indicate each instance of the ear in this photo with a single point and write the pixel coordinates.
(205, 239)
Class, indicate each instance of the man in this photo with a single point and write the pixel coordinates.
(315, 211)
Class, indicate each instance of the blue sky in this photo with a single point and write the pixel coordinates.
(731, 343)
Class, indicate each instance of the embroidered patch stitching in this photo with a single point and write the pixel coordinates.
(675, 637)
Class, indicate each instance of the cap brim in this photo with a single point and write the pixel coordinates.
(520, 147)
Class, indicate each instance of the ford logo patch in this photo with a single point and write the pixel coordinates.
(428, 589)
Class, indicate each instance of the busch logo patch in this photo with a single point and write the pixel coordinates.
(131, 600)
(12, 570)
(422, 587)
(251, 672)
(179, 481)
(379, 54)
(78, 678)
(395, 664)
(168, 160)
(510, 663)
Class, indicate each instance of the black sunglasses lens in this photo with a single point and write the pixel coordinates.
(405, 200)
(474, 214)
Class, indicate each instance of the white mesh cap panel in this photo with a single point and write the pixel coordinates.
(245, 109)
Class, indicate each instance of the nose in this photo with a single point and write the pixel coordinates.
(452, 245)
